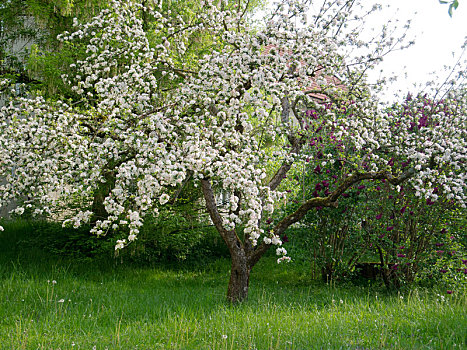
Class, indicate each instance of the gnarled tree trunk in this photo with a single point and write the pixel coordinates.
(239, 279)
(241, 264)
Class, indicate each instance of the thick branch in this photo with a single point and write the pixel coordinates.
(229, 236)
(286, 165)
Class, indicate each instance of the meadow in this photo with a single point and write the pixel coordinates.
(53, 302)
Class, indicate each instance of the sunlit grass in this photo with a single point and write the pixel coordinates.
(51, 304)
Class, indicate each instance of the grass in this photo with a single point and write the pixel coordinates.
(97, 304)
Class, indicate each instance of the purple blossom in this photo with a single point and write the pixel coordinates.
(443, 270)
(403, 209)
(405, 164)
(361, 187)
(379, 216)
(401, 255)
(423, 121)
(317, 170)
(390, 228)
(449, 292)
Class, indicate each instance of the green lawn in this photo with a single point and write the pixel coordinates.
(50, 303)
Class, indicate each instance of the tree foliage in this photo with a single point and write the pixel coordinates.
(452, 5)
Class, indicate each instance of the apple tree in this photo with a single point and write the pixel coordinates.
(258, 103)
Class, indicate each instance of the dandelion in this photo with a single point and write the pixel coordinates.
(54, 282)
(224, 336)
(61, 301)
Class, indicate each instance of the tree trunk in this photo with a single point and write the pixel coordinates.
(103, 190)
(239, 279)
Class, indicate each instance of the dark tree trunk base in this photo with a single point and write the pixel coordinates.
(239, 281)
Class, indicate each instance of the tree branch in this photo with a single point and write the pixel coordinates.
(229, 236)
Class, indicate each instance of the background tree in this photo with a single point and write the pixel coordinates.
(452, 5)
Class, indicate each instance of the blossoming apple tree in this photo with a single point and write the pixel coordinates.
(238, 119)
